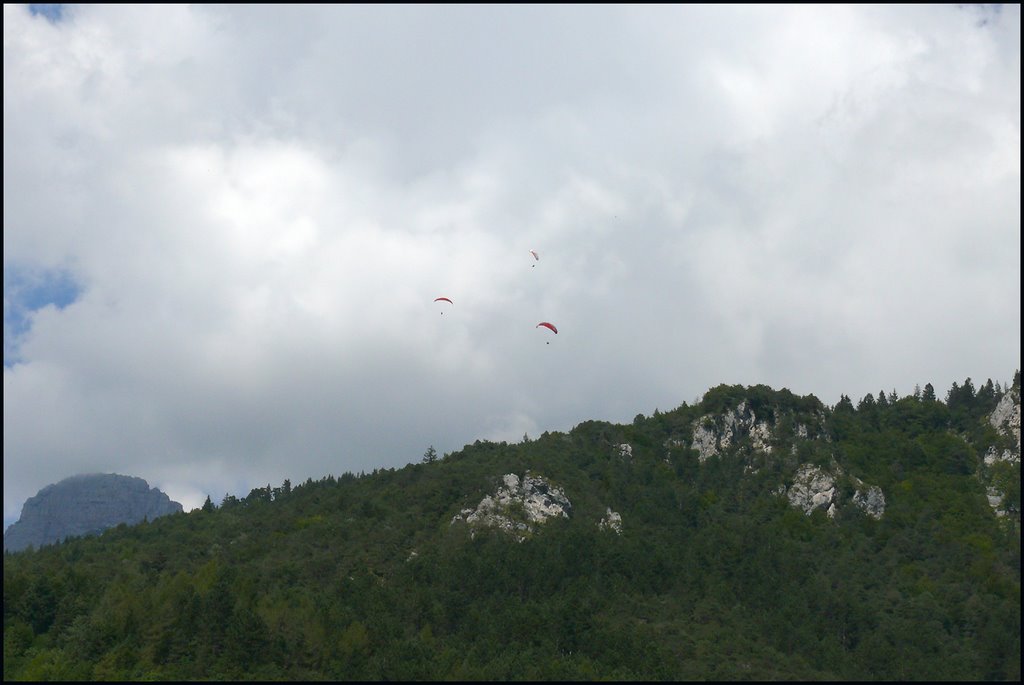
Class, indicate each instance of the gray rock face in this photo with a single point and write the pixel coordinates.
(612, 520)
(871, 500)
(85, 505)
(709, 441)
(1002, 466)
(813, 488)
(1006, 416)
(518, 507)
(705, 441)
(817, 488)
(714, 434)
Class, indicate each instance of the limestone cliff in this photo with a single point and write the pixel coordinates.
(518, 506)
(85, 505)
(815, 488)
(1000, 471)
(714, 435)
(740, 430)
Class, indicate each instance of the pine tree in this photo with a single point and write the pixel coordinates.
(987, 395)
(953, 395)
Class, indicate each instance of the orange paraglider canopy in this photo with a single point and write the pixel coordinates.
(545, 324)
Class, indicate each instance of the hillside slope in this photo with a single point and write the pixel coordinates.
(756, 535)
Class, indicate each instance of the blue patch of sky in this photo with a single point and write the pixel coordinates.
(27, 290)
(52, 12)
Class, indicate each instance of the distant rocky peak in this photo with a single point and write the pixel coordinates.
(85, 505)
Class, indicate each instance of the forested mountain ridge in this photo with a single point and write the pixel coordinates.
(758, 535)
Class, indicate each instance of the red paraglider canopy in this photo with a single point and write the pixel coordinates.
(545, 324)
(443, 299)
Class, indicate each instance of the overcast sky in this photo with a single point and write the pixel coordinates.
(225, 227)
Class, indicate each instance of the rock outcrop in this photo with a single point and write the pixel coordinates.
(518, 506)
(870, 499)
(736, 424)
(612, 520)
(741, 431)
(1002, 464)
(813, 488)
(816, 488)
(1005, 418)
(85, 505)
(713, 435)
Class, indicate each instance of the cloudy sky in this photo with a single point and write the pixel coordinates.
(225, 227)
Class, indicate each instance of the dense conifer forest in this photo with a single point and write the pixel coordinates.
(715, 574)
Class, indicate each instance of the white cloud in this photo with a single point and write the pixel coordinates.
(260, 203)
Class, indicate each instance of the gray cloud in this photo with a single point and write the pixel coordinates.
(258, 205)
